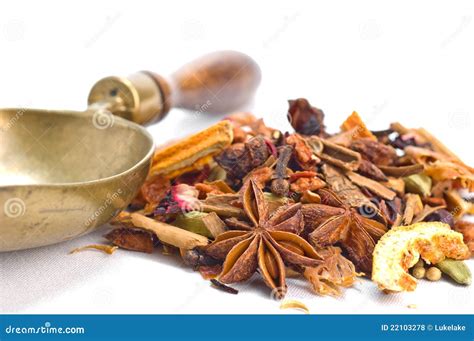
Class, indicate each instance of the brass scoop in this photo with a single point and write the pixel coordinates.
(63, 173)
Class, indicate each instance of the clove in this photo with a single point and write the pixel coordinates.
(280, 185)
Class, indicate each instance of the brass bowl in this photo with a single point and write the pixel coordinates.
(63, 173)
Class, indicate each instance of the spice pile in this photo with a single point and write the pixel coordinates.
(241, 198)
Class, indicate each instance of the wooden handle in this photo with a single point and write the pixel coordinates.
(218, 82)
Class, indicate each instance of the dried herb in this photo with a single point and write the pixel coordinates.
(267, 244)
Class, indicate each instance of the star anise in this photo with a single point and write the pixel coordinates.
(266, 243)
(334, 222)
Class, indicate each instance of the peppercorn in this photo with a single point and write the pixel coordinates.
(433, 274)
(419, 263)
(418, 272)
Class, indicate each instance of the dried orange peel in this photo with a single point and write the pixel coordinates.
(401, 247)
(192, 152)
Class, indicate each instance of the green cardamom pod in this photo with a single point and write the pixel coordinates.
(418, 184)
(192, 221)
(456, 269)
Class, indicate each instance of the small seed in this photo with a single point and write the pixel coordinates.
(433, 274)
(419, 263)
(418, 272)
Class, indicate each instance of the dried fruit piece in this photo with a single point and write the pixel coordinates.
(303, 154)
(355, 123)
(401, 247)
(214, 187)
(304, 118)
(467, 230)
(305, 181)
(192, 152)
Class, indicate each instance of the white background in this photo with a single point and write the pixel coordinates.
(401, 61)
